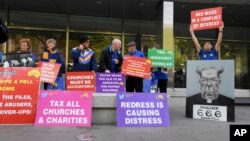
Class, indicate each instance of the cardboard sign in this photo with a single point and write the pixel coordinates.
(18, 95)
(142, 110)
(80, 81)
(49, 72)
(161, 57)
(110, 82)
(210, 90)
(64, 108)
(136, 66)
(206, 18)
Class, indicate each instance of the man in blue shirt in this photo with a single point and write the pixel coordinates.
(208, 52)
(134, 83)
(132, 51)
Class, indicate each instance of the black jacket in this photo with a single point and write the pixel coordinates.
(4, 32)
(105, 60)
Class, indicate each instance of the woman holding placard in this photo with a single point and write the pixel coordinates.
(208, 52)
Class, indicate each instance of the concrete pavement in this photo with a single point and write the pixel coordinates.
(182, 129)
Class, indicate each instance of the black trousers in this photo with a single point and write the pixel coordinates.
(162, 85)
(134, 84)
(45, 86)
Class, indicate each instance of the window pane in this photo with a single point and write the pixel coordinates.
(238, 51)
(38, 40)
(184, 50)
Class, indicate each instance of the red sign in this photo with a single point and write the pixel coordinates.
(18, 95)
(49, 72)
(81, 81)
(206, 18)
(136, 66)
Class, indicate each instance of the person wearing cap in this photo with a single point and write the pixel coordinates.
(208, 52)
(52, 55)
(132, 51)
(83, 57)
(111, 58)
(134, 83)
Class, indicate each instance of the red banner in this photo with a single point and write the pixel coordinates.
(49, 72)
(206, 18)
(136, 66)
(80, 81)
(18, 95)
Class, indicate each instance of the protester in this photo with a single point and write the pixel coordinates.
(52, 55)
(111, 58)
(83, 57)
(24, 47)
(208, 52)
(134, 83)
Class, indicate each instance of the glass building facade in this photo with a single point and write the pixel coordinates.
(65, 28)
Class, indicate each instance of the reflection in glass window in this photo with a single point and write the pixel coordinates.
(184, 50)
(239, 52)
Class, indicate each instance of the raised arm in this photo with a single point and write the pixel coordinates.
(219, 40)
(196, 43)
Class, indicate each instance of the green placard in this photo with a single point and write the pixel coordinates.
(161, 57)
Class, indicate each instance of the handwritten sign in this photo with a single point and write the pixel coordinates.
(49, 72)
(210, 112)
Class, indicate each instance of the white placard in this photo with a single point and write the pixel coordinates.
(210, 112)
